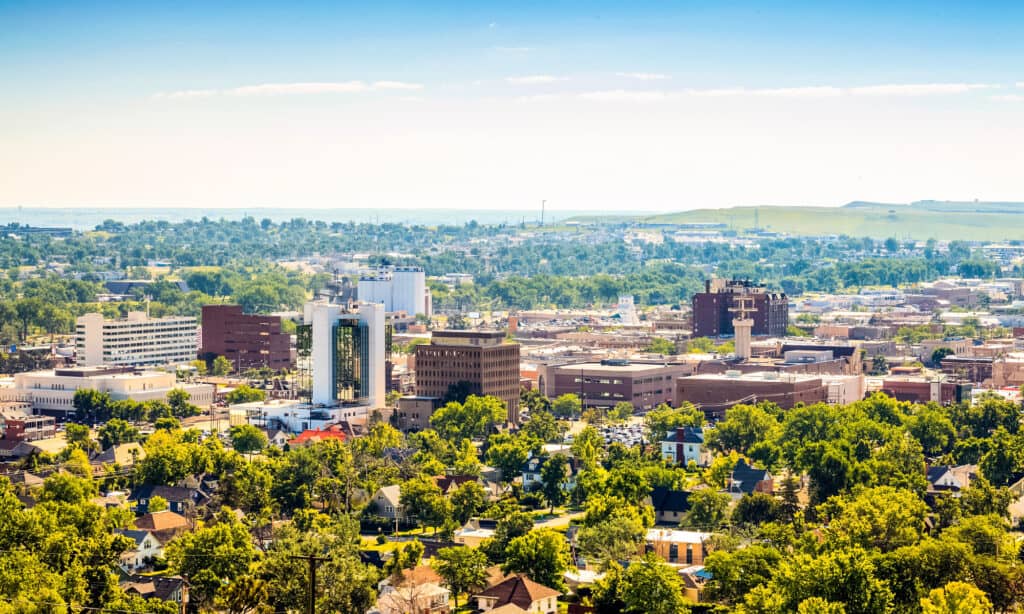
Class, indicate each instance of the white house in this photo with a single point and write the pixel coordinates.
(684, 445)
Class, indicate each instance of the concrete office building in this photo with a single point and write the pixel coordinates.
(247, 341)
(52, 393)
(605, 383)
(479, 360)
(714, 309)
(135, 341)
(348, 353)
(398, 289)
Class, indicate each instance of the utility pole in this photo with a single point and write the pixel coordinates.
(543, 203)
(313, 561)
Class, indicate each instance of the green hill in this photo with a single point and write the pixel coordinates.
(977, 221)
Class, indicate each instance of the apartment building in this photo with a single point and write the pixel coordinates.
(136, 340)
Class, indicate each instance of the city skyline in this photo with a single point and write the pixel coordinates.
(592, 107)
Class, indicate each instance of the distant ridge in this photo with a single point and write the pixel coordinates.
(919, 220)
(980, 206)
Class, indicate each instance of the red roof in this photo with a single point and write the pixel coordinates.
(314, 435)
(519, 590)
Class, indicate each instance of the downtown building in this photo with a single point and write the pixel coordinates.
(715, 308)
(247, 341)
(342, 355)
(135, 341)
(399, 289)
(474, 362)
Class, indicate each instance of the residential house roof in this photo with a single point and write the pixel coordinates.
(392, 493)
(451, 482)
(124, 454)
(667, 500)
(334, 431)
(519, 590)
(745, 478)
(170, 493)
(160, 521)
(690, 434)
(153, 587)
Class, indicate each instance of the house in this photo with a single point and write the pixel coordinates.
(532, 477)
(179, 499)
(745, 480)
(147, 547)
(686, 444)
(388, 500)
(522, 592)
(125, 455)
(277, 438)
(417, 590)
(950, 479)
(165, 525)
(669, 505)
(311, 436)
(164, 588)
(450, 483)
(678, 547)
(694, 579)
(475, 531)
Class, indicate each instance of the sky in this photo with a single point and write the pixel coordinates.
(591, 106)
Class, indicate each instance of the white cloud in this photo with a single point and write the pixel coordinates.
(539, 98)
(285, 89)
(627, 96)
(1009, 98)
(396, 85)
(534, 79)
(919, 89)
(1020, 84)
(779, 92)
(643, 76)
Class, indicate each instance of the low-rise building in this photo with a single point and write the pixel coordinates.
(52, 393)
(17, 423)
(414, 412)
(604, 384)
(678, 547)
(716, 392)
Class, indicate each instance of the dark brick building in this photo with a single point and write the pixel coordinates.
(478, 361)
(248, 341)
(606, 383)
(712, 318)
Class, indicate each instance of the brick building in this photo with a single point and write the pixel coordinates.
(480, 362)
(712, 318)
(605, 383)
(248, 341)
(923, 390)
(716, 392)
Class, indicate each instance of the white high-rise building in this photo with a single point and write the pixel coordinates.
(348, 352)
(401, 288)
(136, 340)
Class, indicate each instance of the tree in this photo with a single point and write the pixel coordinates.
(956, 598)
(566, 406)
(91, 405)
(245, 394)
(621, 412)
(542, 426)
(879, 365)
(663, 419)
(881, 518)
(212, 555)
(734, 574)
(941, 353)
(845, 576)
(541, 554)
(660, 345)
(649, 586)
(200, 366)
(615, 539)
(78, 435)
(246, 438)
(178, 399)
(157, 504)
(470, 420)
(507, 454)
(707, 509)
(467, 501)
(221, 366)
(743, 426)
(116, 432)
(422, 499)
(463, 569)
(757, 508)
(553, 475)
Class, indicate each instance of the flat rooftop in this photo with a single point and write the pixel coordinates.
(615, 368)
(756, 376)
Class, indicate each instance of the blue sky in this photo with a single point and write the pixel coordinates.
(604, 106)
